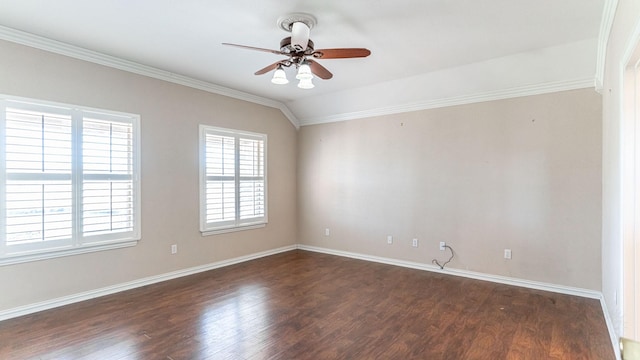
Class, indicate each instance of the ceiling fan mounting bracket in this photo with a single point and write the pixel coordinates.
(286, 22)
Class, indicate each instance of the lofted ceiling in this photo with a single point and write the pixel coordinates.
(425, 53)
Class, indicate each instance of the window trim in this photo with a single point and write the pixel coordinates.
(76, 246)
(228, 228)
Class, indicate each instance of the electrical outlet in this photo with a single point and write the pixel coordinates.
(442, 245)
(507, 253)
(327, 232)
(389, 239)
(414, 243)
(174, 249)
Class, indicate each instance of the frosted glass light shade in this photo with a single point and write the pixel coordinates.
(279, 77)
(305, 84)
(304, 72)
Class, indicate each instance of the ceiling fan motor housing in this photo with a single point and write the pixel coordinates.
(299, 36)
(299, 25)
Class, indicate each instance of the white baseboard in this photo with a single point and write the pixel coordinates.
(463, 273)
(486, 277)
(615, 340)
(66, 300)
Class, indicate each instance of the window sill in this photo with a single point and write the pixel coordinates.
(232, 229)
(17, 259)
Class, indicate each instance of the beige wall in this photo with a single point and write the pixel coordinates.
(522, 173)
(170, 115)
(626, 21)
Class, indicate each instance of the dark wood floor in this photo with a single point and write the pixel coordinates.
(303, 305)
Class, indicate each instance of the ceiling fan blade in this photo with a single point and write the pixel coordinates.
(341, 53)
(268, 68)
(320, 70)
(256, 48)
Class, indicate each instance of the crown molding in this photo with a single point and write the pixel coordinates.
(54, 46)
(57, 47)
(608, 14)
(521, 91)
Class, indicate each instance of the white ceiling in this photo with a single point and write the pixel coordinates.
(424, 52)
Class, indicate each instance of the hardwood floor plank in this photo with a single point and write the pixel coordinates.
(532, 338)
(302, 305)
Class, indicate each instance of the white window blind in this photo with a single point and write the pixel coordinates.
(39, 192)
(70, 180)
(107, 181)
(233, 179)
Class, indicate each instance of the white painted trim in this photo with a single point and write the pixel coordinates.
(66, 300)
(289, 115)
(529, 90)
(627, 64)
(57, 47)
(52, 254)
(612, 331)
(462, 273)
(232, 229)
(608, 14)
(630, 48)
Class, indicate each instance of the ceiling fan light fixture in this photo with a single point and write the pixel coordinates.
(306, 84)
(304, 72)
(279, 76)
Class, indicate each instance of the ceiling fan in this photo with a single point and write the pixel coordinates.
(301, 53)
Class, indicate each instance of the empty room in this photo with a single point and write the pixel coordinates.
(438, 179)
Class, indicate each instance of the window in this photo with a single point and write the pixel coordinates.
(70, 180)
(233, 182)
